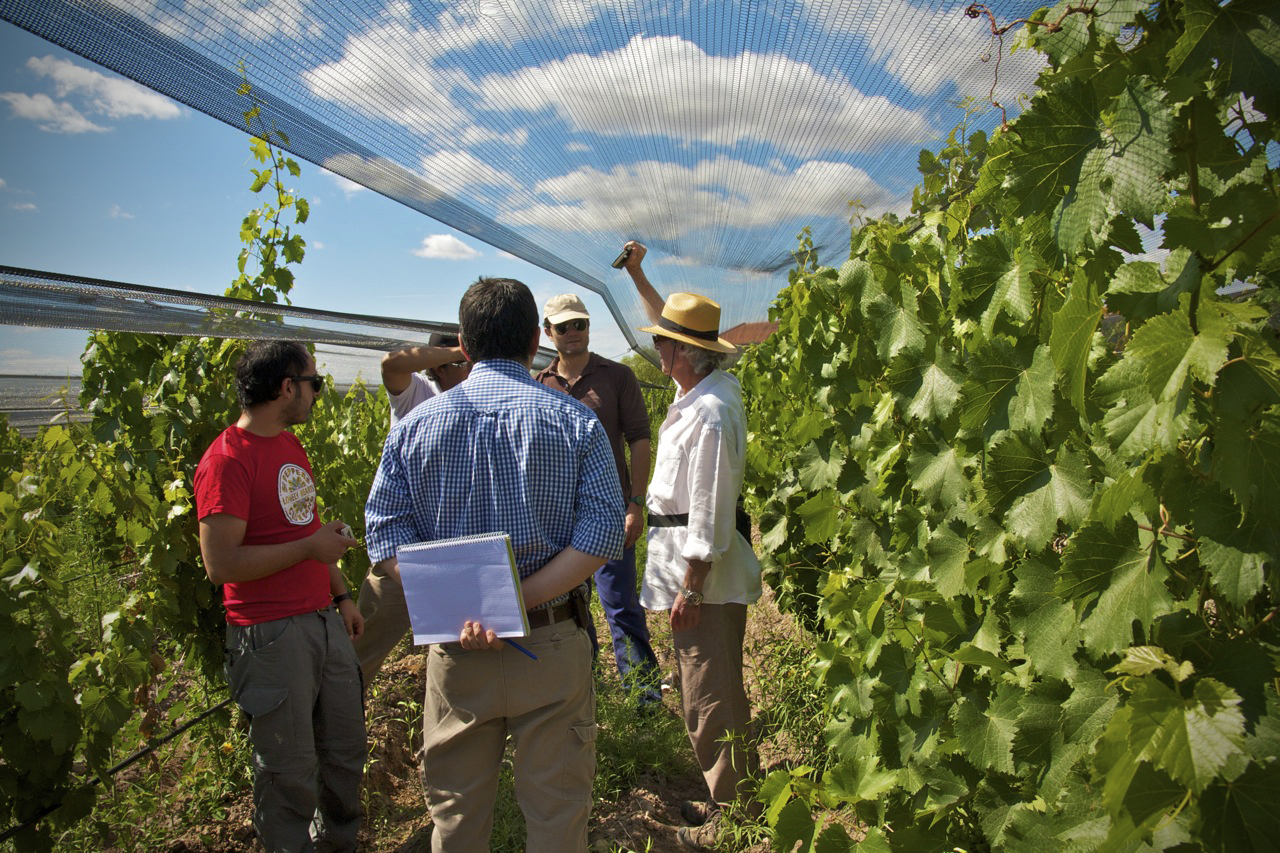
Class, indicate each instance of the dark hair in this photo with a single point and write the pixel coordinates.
(498, 319)
(264, 365)
(441, 340)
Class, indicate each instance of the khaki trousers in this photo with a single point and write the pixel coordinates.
(715, 702)
(474, 700)
(386, 619)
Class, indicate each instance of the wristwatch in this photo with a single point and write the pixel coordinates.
(638, 500)
(694, 598)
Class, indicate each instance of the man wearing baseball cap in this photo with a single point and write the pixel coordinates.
(612, 391)
(700, 567)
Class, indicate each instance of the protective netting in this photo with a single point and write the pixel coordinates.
(712, 131)
(52, 300)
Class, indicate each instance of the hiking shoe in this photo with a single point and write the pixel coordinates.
(700, 837)
(696, 812)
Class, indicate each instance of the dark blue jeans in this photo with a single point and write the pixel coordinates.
(637, 664)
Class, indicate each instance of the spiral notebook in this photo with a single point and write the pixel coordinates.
(449, 581)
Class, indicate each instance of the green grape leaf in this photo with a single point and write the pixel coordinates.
(1243, 36)
(820, 465)
(1172, 352)
(939, 475)
(986, 735)
(1240, 815)
(1032, 405)
(937, 395)
(1191, 739)
(1246, 461)
(1071, 339)
(1136, 592)
(821, 517)
(1046, 624)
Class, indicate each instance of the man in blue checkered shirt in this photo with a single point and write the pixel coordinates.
(501, 453)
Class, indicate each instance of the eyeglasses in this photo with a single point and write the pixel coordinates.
(317, 382)
(657, 339)
(579, 325)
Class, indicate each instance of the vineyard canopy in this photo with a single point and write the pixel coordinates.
(557, 129)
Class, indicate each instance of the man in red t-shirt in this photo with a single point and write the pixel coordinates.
(290, 662)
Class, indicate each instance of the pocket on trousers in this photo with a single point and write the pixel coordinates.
(257, 702)
(579, 761)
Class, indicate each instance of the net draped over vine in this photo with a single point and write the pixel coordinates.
(557, 129)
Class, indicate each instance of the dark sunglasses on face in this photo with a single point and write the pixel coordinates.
(579, 325)
(657, 339)
(317, 382)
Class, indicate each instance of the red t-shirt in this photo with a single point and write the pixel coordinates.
(267, 483)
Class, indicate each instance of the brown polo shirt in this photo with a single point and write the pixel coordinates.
(612, 391)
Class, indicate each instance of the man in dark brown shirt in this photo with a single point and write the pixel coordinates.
(612, 391)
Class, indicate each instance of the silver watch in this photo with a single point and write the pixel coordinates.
(694, 598)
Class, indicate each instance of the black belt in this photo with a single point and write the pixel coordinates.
(680, 519)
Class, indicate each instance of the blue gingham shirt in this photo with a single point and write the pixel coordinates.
(498, 454)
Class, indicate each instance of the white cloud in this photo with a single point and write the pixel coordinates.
(215, 20)
(679, 91)
(317, 245)
(82, 92)
(52, 116)
(22, 205)
(445, 247)
(577, 147)
(928, 48)
(393, 69)
(458, 171)
(2, 184)
(117, 212)
(382, 175)
(112, 97)
(348, 186)
(678, 199)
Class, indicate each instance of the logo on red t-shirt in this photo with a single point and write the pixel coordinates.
(297, 494)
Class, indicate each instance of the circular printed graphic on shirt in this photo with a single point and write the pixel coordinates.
(297, 494)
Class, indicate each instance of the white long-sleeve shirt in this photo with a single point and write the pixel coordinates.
(700, 464)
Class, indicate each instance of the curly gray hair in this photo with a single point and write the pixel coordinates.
(703, 361)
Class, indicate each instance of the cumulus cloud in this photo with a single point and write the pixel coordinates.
(112, 97)
(394, 71)
(679, 91)
(382, 175)
(212, 21)
(50, 115)
(80, 92)
(460, 171)
(24, 206)
(928, 48)
(445, 247)
(117, 212)
(718, 192)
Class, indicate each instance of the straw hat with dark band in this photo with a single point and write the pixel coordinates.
(692, 319)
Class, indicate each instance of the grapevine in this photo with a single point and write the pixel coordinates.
(1024, 483)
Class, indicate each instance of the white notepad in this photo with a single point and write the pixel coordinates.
(449, 581)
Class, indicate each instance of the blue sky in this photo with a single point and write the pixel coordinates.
(129, 186)
(713, 130)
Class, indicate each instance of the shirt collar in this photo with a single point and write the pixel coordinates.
(501, 366)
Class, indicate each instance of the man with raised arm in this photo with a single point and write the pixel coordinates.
(290, 621)
(381, 598)
(502, 454)
(700, 567)
(611, 391)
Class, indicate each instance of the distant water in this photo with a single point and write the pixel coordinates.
(30, 402)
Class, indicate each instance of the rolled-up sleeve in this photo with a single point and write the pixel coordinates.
(713, 496)
(598, 522)
(388, 511)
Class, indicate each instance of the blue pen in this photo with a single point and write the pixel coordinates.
(521, 648)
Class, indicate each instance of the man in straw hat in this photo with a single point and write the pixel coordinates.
(700, 567)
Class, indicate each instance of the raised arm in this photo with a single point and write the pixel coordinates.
(652, 301)
(398, 366)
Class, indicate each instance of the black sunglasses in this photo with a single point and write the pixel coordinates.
(317, 381)
(657, 339)
(579, 325)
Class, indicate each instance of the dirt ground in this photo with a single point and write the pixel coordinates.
(645, 818)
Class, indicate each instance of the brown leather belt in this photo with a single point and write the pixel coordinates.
(680, 519)
(544, 616)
